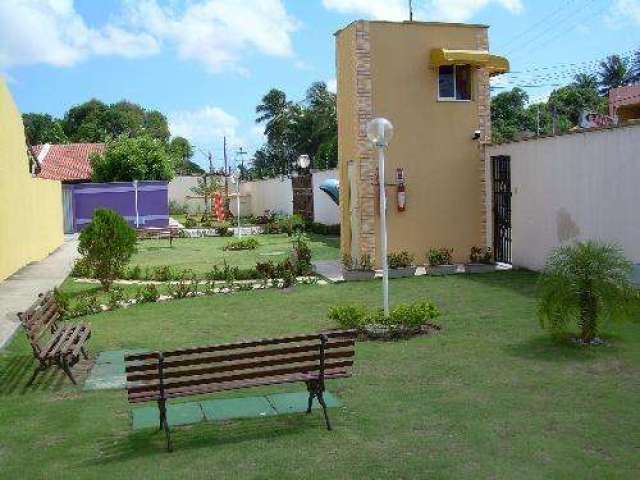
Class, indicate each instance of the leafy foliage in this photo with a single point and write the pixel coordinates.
(439, 256)
(292, 129)
(147, 294)
(587, 283)
(481, 255)
(43, 128)
(356, 316)
(242, 244)
(128, 159)
(402, 259)
(107, 245)
(301, 255)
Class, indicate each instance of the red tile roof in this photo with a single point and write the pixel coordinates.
(66, 162)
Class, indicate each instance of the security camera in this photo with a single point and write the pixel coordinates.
(476, 135)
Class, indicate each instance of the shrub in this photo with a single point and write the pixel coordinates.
(134, 273)
(190, 222)
(266, 269)
(324, 229)
(402, 259)
(587, 283)
(348, 315)
(364, 264)
(82, 269)
(107, 245)
(147, 294)
(439, 256)
(85, 304)
(115, 298)
(301, 255)
(480, 255)
(223, 228)
(242, 244)
(62, 301)
(414, 314)
(266, 218)
(163, 273)
(187, 285)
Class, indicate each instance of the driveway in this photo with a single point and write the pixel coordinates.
(21, 289)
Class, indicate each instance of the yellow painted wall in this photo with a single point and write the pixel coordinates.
(30, 209)
(433, 139)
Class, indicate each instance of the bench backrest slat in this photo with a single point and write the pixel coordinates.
(40, 320)
(252, 362)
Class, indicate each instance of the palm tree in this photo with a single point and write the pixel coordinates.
(614, 73)
(587, 282)
(586, 81)
(274, 112)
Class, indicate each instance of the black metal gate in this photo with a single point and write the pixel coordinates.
(501, 174)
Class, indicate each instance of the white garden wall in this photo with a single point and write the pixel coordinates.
(324, 209)
(274, 194)
(180, 192)
(578, 186)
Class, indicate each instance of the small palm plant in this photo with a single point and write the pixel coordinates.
(587, 282)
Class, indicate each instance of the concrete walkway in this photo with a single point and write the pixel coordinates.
(21, 289)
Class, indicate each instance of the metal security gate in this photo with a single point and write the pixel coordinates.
(303, 196)
(501, 175)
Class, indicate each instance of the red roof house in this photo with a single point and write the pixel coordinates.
(66, 162)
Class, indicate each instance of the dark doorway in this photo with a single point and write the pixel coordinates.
(501, 175)
(303, 196)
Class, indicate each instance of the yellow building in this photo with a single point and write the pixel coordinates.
(431, 80)
(30, 208)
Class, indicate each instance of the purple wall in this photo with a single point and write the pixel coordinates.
(153, 202)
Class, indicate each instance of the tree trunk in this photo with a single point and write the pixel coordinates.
(588, 316)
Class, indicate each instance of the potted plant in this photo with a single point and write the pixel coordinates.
(480, 261)
(401, 264)
(356, 271)
(439, 262)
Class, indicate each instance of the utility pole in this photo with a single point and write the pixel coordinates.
(554, 113)
(538, 121)
(411, 10)
(210, 163)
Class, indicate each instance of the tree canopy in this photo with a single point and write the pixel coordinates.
(292, 129)
(127, 159)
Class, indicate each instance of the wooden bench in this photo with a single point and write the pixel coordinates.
(52, 342)
(312, 359)
(158, 233)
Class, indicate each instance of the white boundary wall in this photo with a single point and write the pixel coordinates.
(180, 189)
(274, 194)
(577, 186)
(324, 209)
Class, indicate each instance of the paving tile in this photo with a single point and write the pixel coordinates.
(226, 409)
(178, 414)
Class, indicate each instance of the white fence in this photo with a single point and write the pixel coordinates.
(578, 186)
(275, 194)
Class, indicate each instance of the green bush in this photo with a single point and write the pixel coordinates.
(82, 269)
(586, 283)
(107, 245)
(62, 301)
(147, 294)
(301, 255)
(186, 286)
(348, 315)
(223, 228)
(402, 259)
(115, 298)
(481, 255)
(324, 229)
(242, 244)
(439, 256)
(85, 304)
(411, 315)
(163, 273)
(190, 222)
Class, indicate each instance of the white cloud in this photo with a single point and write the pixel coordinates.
(445, 10)
(623, 13)
(218, 33)
(332, 85)
(52, 32)
(204, 125)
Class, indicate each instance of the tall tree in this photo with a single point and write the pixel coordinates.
(635, 67)
(181, 153)
(614, 73)
(87, 122)
(508, 116)
(156, 125)
(43, 128)
(126, 159)
(587, 81)
(275, 112)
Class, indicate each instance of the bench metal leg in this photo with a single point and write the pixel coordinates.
(324, 409)
(164, 424)
(37, 370)
(84, 353)
(67, 370)
(312, 393)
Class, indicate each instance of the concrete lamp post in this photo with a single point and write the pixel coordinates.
(380, 133)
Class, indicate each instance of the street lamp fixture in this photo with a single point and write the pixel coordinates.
(380, 133)
(304, 161)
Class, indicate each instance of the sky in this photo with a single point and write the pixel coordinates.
(207, 63)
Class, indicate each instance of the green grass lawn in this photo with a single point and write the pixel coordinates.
(201, 254)
(488, 397)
